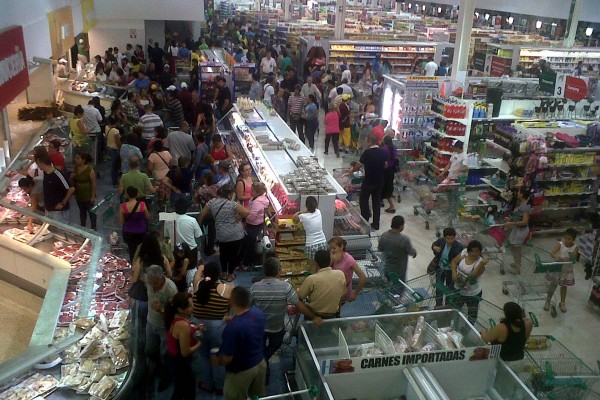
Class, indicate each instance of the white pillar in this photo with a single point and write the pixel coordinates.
(287, 10)
(196, 29)
(398, 7)
(5, 139)
(340, 19)
(460, 64)
(572, 22)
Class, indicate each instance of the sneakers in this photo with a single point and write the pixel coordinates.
(562, 307)
(547, 305)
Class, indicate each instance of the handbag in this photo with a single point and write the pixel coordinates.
(138, 291)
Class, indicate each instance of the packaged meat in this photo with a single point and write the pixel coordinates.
(104, 388)
(400, 344)
(457, 338)
(118, 319)
(119, 356)
(417, 338)
(430, 346)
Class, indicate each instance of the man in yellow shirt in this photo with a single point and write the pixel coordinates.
(323, 290)
(195, 56)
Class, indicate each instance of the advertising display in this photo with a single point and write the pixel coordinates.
(14, 76)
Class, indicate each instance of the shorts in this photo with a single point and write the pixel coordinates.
(564, 278)
(313, 248)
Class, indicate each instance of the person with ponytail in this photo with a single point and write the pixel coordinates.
(181, 343)
(211, 305)
(512, 333)
(519, 227)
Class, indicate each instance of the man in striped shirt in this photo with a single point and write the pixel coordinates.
(149, 122)
(296, 104)
(273, 295)
(175, 110)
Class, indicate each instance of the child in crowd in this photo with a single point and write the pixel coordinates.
(564, 251)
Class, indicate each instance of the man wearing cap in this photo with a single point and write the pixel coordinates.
(379, 131)
(62, 69)
(185, 97)
(180, 143)
(457, 165)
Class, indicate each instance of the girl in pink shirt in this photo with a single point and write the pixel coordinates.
(332, 131)
(344, 262)
(254, 221)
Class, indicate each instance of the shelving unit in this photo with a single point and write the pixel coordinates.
(561, 60)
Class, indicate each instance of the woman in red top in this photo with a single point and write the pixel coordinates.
(181, 343)
(332, 131)
(219, 150)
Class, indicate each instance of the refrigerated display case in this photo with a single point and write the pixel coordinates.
(417, 355)
(288, 168)
(242, 78)
(81, 286)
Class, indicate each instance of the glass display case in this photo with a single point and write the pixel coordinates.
(409, 354)
(80, 285)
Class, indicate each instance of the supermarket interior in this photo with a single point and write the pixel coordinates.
(290, 199)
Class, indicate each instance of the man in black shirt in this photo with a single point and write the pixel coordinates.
(223, 98)
(57, 190)
(374, 160)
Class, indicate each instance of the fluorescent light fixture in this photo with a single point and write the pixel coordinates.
(409, 5)
(423, 7)
(538, 24)
(511, 20)
(487, 16)
(439, 10)
(554, 24)
(588, 31)
(476, 14)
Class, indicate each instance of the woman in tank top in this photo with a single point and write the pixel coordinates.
(467, 268)
(211, 304)
(512, 333)
(243, 186)
(219, 150)
(133, 215)
(77, 127)
(84, 180)
(181, 343)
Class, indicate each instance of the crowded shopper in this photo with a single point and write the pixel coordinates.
(187, 232)
(133, 214)
(511, 333)
(84, 181)
(312, 222)
(467, 268)
(445, 249)
(396, 248)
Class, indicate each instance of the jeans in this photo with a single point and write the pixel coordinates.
(273, 341)
(335, 138)
(115, 165)
(472, 303)
(84, 210)
(156, 341)
(229, 255)
(298, 126)
(211, 376)
(249, 248)
(443, 277)
(374, 192)
(311, 129)
(60, 216)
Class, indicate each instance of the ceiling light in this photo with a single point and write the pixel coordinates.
(439, 10)
(511, 20)
(423, 7)
(409, 5)
(588, 31)
(487, 16)
(538, 24)
(476, 15)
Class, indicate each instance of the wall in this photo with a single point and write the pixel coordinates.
(155, 30)
(115, 32)
(177, 10)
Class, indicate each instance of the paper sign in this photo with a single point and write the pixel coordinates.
(132, 33)
(576, 89)
(498, 66)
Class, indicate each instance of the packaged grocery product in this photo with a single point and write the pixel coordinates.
(457, 339)
(430, 346)
(400, 345)
(86, 366)
(104, 388)
(118, 319)
(417, 337)
(119, 356)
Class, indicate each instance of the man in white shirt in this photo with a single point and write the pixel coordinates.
(187, 230)
(91, 118)
(430, 67)
(457, 165)
(345, 88)
(346, 74)
(309, 88)
(267, 64)
(268, 91)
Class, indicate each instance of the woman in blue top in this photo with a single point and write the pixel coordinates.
(312, 121)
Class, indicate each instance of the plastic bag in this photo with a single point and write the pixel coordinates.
(400, 345)
(457, 338)
(417, 338)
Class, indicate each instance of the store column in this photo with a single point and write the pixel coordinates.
(340, 20)
(460, 65)
(572, 23)
(5, 142)
(287, 10)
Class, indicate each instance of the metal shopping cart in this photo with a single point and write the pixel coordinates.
(553, 372)
(534, 281)
(410, 171)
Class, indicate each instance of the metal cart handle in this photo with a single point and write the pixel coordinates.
(394, 278)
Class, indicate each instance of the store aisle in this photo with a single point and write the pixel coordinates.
(18, 314)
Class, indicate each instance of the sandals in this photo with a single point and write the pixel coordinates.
(547, 306)
(562, 307)
(390, 210)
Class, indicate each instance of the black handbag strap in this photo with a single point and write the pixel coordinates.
(166, 163)
(133, 210)
(219, 210)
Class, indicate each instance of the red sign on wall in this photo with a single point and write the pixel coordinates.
(575, 88)
(14, 75)
(498, 66)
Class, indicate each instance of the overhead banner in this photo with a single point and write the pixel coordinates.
(14, 74)
(89, 15)
(418, 81)
(498, 66)
(548, 82)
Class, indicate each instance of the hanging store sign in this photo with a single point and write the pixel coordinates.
(576, 89)
(548, 82)
(479, 61)
(14, 75)
(417, 81)
(498, 66)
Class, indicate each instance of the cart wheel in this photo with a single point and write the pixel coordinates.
(416, 211)
(427, 225)
(403, 188)
(427, 212)
(553, 312)
(399, 199)
(504, 290)
(502, 271)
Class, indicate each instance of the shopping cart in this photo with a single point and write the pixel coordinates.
(108, 225)
(553, 372)
(534, 281)
(475, 229)
(410, 171)
(349, 181)
(312, 392)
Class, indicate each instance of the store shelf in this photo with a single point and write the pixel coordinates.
(443, 134)
(564, 208)
(567, 165)
(498, 163)
(568, 194)
(593, 178)
(497, 146)
(429, 146)
(463, 121)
